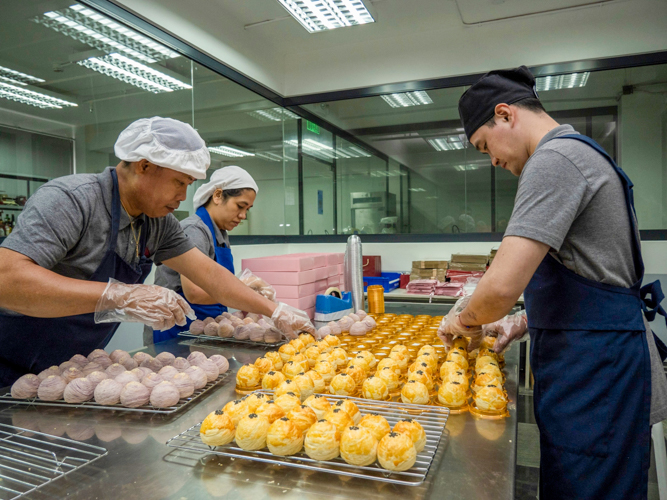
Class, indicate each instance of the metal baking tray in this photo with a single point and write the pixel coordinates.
(7, 398)
(432, 418)
(31, 459)
(209, 339)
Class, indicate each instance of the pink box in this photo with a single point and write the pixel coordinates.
(279, 263)
(333, 270)
(321, 273)
(341, 269)
(319, 258)
(334, 281)
(321, 286)
(341, 258)
(294, 291)
(288, 278)
(310, 312)
(302, 303)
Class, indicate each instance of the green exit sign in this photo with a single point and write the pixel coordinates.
(312, 127)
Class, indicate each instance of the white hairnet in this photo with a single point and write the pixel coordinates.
(232, 177)
(165, 142)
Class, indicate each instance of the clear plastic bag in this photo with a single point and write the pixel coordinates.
(258, 284)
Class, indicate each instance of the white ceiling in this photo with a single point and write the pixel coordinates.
(411, 40)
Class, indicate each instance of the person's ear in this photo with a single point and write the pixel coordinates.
(503, 112)
(217, 197)
(142, 166)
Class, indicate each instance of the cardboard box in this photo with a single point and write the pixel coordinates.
(333, 270)
(333, 281)
(294, 291)
(465, 258)
(281, 263)
(302, 302)
(288, 278)
(430, 264)
(321, 286)
(321, 273)
(464, 266)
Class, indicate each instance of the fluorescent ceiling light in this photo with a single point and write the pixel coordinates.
(449, 142)
(463, 168)
(32, 98)
(322, 15)
(406, 99)
(388, 173)
(417, 190)
(273, 115)
(267, 155)
(326, 152)
(558, 82)
(94, 29)
(17, 78)
(129, 71)
(229, 151)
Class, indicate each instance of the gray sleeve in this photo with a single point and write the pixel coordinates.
(50, 225)
(171, 239)
(552, 193)
(201, 238)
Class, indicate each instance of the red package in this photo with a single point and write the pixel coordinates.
(404, 280)
(372, 265)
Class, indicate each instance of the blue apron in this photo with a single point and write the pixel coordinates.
(30, 345)
(223, 256)
(592, 370)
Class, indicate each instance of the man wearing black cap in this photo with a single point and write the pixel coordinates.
(572, 247)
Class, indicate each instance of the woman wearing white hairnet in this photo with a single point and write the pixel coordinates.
(221, 204)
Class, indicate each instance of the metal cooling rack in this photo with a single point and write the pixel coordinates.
(209, 339)
(432, 419)
(7, 398)
(30, 459)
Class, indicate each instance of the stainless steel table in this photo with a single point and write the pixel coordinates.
(476, 458)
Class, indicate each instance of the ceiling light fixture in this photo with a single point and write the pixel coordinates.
(269, 156)
(558, 82)
(323, 15)
(273, 115)
(32, 98)
(229, 151)
(449, 142)
(405, 99)
(18, 78)
(129, 71)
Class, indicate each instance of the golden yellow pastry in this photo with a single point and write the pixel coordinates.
(217, 429)
(326, 370)
(375, 388)
(288, 401)
(389, 376)
(460, 343)
(457, 376)
(305, 384)
(357, 373)
(453, 394)
(325, 356)
(423, 366)
(489, 368)
(388, 363)
(303, 417)
(322, 441)
(401, 359)
(400, 348)
(487, 342)
(264, 365)
(272, 380)
(307, 339)
(297, 344)
(370, 358)
(396, 452)
(432, 361)
(302, 360)
(270, 410)
(286, 351)
(339, 418)
(343, 385)
(255, 400)
(458, 358)
(413, 429)
(361, 362)
(448, 367)
(275, 359)
(482, 361)
(323, 346)
(319, 404)
(248, 377)
(491, 397)
(318, 381)
(429, 349)
(236, 410)
(284, 438)
(358, 446)
(292, 368)
(332, 340)
(424, 378)
(350, 408)
(415, 392)
(288, 386)
(485, 378)
(312, 353)
(376, 424)
(252, 431)
(339, 357)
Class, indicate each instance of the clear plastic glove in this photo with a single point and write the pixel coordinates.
(291, 321)
(258, 284)
(152, 305)
(451, 327)
(511, 328)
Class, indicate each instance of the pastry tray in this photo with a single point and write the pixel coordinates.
(209, 339)
(7, 398)
(30, 459)
(432, 419)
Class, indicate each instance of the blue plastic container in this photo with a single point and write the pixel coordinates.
(388, 281)
(327, 304)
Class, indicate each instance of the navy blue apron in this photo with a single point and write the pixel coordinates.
(592, 370)
(223, 256)
(30, 345)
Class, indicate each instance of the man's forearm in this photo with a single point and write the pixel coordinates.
(488, 304)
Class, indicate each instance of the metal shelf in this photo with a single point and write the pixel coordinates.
(220, 341)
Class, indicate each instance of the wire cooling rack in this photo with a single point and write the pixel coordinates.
(432, 418)
(30, 459)
(7, 398)
(209, 339)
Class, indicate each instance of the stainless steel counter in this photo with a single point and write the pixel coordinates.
(476, 458)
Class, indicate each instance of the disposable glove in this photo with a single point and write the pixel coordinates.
(451, 327)
(152, 305)
(511, 328)
(258, 284)
(291, 321)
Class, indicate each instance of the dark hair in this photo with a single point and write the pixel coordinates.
(230, 193)
(530, 104)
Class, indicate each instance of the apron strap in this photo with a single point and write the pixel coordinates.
(203, 214)
(115, 211)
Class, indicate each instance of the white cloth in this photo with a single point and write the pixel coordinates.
(165, 142)
(231, 177)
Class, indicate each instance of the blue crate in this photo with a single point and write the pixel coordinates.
(389, 281)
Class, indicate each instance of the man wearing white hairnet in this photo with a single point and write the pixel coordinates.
(84, 244)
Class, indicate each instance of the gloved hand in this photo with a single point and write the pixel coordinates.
(291, 321)
(507, 330)
(451, 327)
(258, 284)
(152, 305)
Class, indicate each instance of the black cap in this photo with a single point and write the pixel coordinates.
(478, 104)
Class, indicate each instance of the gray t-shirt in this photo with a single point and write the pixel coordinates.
(198, 233)
(570, 198)
(65, 226)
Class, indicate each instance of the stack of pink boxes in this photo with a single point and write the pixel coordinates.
(299, 277)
